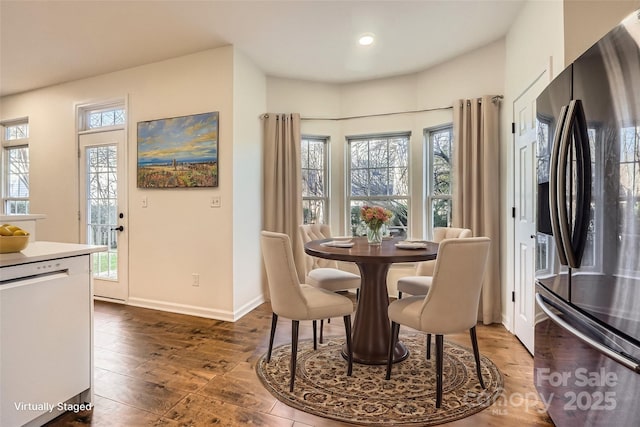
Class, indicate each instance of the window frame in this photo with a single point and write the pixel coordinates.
(85, 113)
(429, 196)
(325, 199)
(9, 144)
(380, 200)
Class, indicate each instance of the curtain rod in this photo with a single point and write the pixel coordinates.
(494, 99)
(376, 115)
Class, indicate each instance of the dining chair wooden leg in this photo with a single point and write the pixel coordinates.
(439, 363)
(321, 328)
(347, 330)
(428, 346)
(274, 322)
(399, 294)
(294, 351)
(476, 354)
(393, 337)
(315, 335)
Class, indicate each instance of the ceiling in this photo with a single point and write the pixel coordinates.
(43, 43)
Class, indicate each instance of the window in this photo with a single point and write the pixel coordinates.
(104, 117)
(378, 174)
(15, 144)
(438, 177)
(314, 179)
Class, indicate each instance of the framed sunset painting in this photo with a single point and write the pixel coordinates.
(178, 152)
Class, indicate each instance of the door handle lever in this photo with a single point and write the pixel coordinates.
(121, 228)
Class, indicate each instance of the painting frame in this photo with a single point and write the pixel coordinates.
(178, 152)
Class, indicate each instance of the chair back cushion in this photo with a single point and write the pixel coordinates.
(309, 232)
(439, 234)
(284, 286)
(452, 302)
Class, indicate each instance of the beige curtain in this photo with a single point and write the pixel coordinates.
(476, 187)
(283, 179)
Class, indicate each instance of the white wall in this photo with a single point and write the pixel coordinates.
(178, 233)
(585, 24)
(534, 45)
(477, 73)
(249, 102)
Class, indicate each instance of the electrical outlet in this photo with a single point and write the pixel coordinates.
(195, 279)
(215, 202)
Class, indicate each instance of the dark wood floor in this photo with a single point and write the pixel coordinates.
(165, 369)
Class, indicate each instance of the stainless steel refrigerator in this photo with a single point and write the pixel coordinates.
(587, 333)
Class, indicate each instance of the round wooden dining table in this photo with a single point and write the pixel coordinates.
(371, 326)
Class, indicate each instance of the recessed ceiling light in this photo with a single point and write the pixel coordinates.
(366, 39)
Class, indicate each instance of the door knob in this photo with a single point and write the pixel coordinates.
(121, 228)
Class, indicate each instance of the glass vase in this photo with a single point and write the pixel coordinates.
(374, 236)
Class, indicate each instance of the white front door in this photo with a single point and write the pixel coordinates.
(103, 216)
(524, 168)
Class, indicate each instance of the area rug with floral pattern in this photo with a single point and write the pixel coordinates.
(408, 398)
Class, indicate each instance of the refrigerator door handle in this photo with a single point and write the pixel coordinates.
(573, 241)
(554, 189)
(583, 184)
(612, 354)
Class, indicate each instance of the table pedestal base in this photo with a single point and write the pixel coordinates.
(399, 354)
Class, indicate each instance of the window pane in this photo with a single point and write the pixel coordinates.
(313, 152)
(18, 131)
(359, 154)
(438, 185)
(378, 153)
(316, 155)
(304, 153)
(105, 118)
(441, 212)
(18, 172)
(397, 225)
(379, 182)
(360, 182)
(119, 117)
(313, 211)
(441, 162)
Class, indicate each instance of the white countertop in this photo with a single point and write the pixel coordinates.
(42, 251)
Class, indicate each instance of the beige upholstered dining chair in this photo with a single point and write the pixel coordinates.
(324, 273)
(450, 306)
(296, 301)
(419, 283)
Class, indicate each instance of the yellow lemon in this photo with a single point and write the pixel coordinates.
(20, 233)
(5, 232)
(12, 228)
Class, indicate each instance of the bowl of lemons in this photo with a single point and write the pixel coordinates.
(12, 239)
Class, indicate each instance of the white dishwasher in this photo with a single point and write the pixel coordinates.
(45, 339)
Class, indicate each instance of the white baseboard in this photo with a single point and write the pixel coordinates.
(506, 322)
(193, 310)
(248, 307)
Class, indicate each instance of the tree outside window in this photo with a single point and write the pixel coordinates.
(379, 175)
(314, 179)
(439, 170)
(16, 168)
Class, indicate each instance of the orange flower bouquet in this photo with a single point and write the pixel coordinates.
(375, 217)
